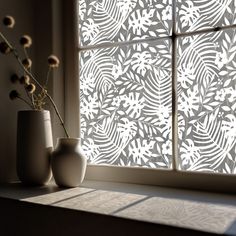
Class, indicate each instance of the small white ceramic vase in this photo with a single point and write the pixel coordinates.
(34, 147)
(68, 162)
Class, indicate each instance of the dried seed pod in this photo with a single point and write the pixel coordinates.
(8, 21)
(14, 94)
(30, 88)
(4, 48)
(14, 78)
(25, 79)
(27, 63)
(53, 61)
(26, 41)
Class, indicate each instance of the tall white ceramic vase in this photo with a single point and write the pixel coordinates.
(34, 147)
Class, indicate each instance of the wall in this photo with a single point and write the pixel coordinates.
(22, 11)
(33, 17)
(48, 21)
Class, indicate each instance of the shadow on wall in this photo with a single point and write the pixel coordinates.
(23, 13)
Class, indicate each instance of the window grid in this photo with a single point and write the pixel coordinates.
(174, 38)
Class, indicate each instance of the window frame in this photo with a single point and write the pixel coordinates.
(161, 177)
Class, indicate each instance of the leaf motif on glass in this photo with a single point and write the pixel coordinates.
(207, 102)
(123, 20)
(195, 15)
(126, 105)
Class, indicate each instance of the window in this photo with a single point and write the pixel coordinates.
(158, 85)
(125, 83)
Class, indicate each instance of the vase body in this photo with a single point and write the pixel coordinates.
(34, 147)
(68, 163)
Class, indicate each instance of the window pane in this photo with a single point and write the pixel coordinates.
(126, 105)
(195, 15)
(104, 21)
(207, 102)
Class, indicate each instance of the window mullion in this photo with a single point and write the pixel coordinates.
(174, 92)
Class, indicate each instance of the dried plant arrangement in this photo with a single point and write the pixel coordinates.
(36, 93)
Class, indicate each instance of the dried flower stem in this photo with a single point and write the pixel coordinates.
(29, 98)
(25, 101)
(26, 53)
(27, 57)
(48, 74)
(4, 38)
(32, 99)
(15, 53)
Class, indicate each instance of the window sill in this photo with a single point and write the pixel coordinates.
(110, 206)
(202, 181)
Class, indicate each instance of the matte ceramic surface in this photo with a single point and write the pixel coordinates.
(68, 163)
(34, 147)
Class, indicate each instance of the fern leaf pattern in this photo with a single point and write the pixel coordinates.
(195, 15)
(126, 105)
(207, 102)
(123, 20)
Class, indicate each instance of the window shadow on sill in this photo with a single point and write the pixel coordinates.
(164, 192)
(158, 205)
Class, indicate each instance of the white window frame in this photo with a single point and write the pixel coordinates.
(161, 177)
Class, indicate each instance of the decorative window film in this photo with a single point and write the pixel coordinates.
(126, 83)
(195, 15)
(207, 101)
(123, 20)
(122, 91)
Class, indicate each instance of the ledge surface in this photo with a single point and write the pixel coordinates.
(193, 210)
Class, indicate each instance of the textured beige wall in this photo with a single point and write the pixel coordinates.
(33, 17)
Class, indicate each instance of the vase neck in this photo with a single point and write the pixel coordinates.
(68, 142)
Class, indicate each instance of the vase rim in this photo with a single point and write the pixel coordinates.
(22, 111)
(65, 139)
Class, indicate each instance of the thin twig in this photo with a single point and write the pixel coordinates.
(27, 57)
(30, 98)
(25, 101)
(48, 74)
(26, 53)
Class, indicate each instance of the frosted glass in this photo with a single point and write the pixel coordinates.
(207, 102)
(195, 15)
(102, 21)
(126, 105)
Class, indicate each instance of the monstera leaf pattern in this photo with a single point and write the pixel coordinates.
(207, 101)
(103, 21)
(126, 105)
(126, 83)
(195, 15)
